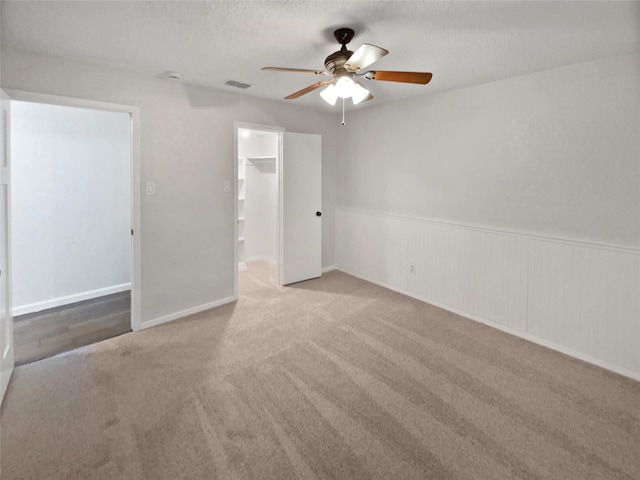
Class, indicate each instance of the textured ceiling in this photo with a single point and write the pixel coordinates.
(462, 43)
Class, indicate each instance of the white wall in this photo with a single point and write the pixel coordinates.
(261, 202)
(553, 153)
(187, 148)
(71, 203)
(258, 144)
(516, 202)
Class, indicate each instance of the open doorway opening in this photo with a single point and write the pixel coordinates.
(258, 189)
(71, 227)
(290, 165)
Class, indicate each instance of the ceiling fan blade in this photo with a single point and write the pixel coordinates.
(310, 88)
(406, 77)
(365, 56)
(296, 70)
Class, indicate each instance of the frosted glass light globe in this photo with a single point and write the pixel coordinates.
(329, 94)
(344, 87)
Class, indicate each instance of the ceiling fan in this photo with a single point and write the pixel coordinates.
(344, 68)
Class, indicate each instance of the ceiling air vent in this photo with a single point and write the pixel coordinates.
(235, 83)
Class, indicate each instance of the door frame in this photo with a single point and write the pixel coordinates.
(237, 125)
(134, 115)
(7, 362)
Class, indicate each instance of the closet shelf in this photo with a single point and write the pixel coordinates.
(255, 160)
(240, 226)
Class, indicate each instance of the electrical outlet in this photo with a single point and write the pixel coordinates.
(412, 268)
(226, 186)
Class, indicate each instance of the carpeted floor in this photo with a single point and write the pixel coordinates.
(331, 378)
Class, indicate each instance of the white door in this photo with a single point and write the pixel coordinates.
(301, 221)
(6, 321)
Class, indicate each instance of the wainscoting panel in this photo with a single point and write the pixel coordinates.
(382, 238)
(481, 273)
(577, 297)
(587, 299)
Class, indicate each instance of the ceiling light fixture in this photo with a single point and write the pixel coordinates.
(344, 67)
(329, 94)
(359, 93)
(344, 87)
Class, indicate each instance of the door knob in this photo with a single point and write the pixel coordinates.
(318, 214)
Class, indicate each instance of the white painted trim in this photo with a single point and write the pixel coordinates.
(66, 300)
(236, 265)
(539, 341)
(185, 313)
(531, 236)
(559, 348)
(25, 96)
(329, 268)
(279, 214)
(134, 112)
(136, 222)
(265, 128)
(526, 336)
(7, 362)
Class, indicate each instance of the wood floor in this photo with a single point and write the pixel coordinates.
(49, 332)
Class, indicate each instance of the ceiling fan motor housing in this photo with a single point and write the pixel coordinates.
(335, 62)
(344, 35)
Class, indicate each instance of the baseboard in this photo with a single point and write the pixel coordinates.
(526, 336)
(184, 313)
(68, 299)
(329, 268)
(540, 341)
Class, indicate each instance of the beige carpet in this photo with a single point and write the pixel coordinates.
(331, 378)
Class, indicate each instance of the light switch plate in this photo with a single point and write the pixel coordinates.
(150, 188)
(226, 186)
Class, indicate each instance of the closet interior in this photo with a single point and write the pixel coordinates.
(257, 197)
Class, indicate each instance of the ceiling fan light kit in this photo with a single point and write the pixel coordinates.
(359, 94)
(329, 94)
(343, 66)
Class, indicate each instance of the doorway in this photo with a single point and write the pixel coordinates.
(257, 198)
(289, 166)
(71, 226)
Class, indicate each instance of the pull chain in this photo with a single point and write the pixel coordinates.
(342, 111)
